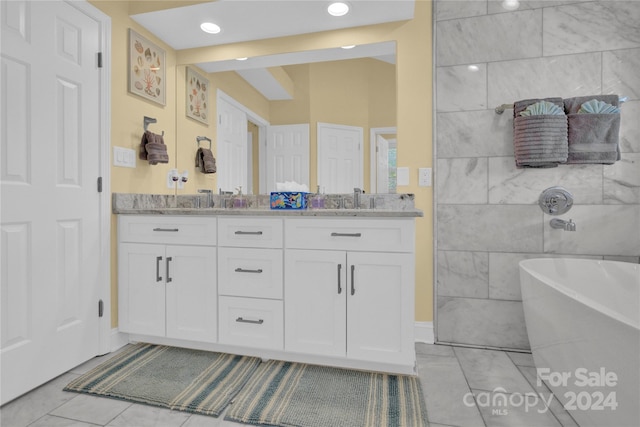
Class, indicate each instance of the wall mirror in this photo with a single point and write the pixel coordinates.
(324, 118)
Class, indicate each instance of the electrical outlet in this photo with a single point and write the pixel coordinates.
(424, 177)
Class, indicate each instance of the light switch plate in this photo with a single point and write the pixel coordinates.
(124, 157)
(402, 176)
(424, 177)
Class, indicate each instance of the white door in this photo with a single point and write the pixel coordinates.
(339, 158)
(287, 155)
(380, 307)
(51, 223)
(315, 294)
(191, 293)
(232, 147)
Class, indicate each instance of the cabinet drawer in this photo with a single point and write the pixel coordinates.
(167, 229)
(247, 272)
(379, 235)
(251, 322)
(250, 232)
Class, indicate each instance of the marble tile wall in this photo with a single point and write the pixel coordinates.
(487, 217)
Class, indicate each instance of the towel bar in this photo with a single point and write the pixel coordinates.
(203, 138)
(147, 121)
(500, 109)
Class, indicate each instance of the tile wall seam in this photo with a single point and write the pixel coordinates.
(466, 380)
(481, 299)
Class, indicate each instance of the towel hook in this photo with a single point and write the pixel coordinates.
(147, 121)
(203, 138)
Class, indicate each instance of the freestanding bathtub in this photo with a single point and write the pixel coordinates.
(583, 322)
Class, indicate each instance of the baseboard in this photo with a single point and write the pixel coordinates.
(424, 332)
(118, 339)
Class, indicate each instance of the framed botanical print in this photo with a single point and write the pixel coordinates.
(146, 69)
(197, 102)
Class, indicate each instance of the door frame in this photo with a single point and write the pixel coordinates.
(259, 121)
(373, 158)
(108, 340)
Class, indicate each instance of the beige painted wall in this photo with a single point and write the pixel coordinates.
(412, 99)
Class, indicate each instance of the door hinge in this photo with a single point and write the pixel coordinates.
(99, 184)
(99, 59)
(100, 308)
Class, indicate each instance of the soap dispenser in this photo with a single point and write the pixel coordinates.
(317, 200)
(239, 201)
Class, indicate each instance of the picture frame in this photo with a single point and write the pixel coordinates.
(146, 69)
(197, 96)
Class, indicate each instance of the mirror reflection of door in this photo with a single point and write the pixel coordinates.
(339, 158)
(232, 147)
(386, 167)
(287, 155)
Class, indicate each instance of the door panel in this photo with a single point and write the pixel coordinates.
(378, 326)
(315, 309)
(339, 158)
(191, 293)
(50, 206)
(287, 157)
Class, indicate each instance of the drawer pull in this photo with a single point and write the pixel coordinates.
(158, 277)
(242, 270)
(257, 233)
(166, 229)
(334, 234)
(339, 274)
(257, 322)
(353, 279)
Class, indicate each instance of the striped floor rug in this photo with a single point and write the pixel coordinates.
(293, 394)
(195, 381)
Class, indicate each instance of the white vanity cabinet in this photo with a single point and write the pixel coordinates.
(167, 277)
(349, 288)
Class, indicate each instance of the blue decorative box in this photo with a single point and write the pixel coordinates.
(288, 200)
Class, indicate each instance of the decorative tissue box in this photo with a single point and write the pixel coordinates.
(288, 200)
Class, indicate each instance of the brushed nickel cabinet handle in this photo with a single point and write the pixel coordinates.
(339, 274)
(169, 279)
(334, 234)
(243, 270)
(257, 322)
(158, 277)
(257, 233)
(353, 278)
(166, 229)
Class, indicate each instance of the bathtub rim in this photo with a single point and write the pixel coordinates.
(575, 295)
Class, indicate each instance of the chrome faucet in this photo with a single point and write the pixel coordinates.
(356, 197)
(563, 225)
(209, 194)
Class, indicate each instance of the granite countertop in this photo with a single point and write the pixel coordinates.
(388, 205)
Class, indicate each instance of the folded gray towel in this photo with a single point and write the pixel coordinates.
(205, 161)
(593, 138)
(539, 140)
(153, 149)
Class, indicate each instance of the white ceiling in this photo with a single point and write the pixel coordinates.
(246, 20)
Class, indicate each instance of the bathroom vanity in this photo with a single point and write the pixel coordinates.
(333, 287)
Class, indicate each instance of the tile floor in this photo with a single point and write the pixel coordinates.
(448, 376)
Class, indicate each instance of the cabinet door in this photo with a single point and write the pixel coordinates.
(380, 307)
(315, 303)
(141, 288)
(191, 293)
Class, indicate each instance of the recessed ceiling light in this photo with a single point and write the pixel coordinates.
(351, 46)
(338, 9)
(510, 4)
(243, 58)
(210, 27)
